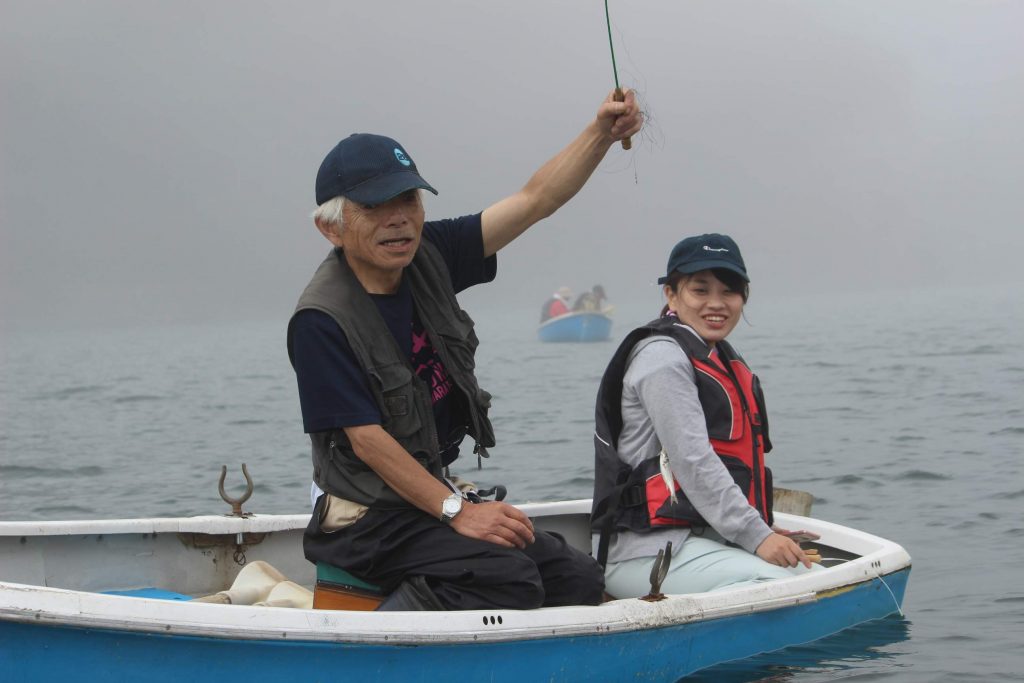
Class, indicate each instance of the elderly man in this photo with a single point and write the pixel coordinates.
(383, 355)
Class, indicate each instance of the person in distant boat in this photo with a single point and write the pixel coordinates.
(592, 301)
(384, 360)
(557, 305)
(680, 441)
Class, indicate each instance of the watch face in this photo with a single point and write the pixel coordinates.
(451, 506)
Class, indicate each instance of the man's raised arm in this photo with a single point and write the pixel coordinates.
(557, 181)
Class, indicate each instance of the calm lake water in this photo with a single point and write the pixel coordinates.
(901, 412)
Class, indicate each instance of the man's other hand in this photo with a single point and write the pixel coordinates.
(498, 523)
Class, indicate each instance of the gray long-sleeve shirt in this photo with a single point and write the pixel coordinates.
(661, 408)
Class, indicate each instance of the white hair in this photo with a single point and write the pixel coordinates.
(331, 213)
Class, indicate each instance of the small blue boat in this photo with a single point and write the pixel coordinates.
(576, 327)
(77, 603)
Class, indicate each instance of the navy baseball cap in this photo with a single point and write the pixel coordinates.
(368, 169)
(705, 252)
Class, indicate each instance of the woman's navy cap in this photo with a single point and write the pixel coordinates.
(368, 169)
(704, 252)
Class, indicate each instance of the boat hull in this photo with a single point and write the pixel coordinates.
(33, 651)
(576, 327)
(61, 617)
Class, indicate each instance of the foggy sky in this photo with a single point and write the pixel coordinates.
(157, 159)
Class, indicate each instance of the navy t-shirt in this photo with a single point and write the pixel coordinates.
(333, 390)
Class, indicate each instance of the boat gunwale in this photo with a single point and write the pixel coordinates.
(220, 524)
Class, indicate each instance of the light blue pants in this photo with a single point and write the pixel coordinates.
(701, 565)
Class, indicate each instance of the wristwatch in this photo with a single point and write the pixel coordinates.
(451, 506)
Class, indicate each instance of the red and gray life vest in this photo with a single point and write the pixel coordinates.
(637, 499)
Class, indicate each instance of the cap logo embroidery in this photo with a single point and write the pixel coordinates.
(707, 248)
(402, 159)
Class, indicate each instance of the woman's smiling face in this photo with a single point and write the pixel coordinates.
(706, 304)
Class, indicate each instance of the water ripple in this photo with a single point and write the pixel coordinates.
(138, 398)
(1007, 430)
(62, 510)
(1010, 598)
(856, 653)
(28, 471)
(983, 350)
(923, 475)
(957, 638)
(70, 392)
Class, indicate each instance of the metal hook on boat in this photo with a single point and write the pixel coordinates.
(658, 573)
(236, 503)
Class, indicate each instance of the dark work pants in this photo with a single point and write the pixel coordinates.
(385, 546)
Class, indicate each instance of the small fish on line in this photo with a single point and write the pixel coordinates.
(666, 476)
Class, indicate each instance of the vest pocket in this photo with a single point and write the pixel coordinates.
(391, 376)
(461, 349)
(739, 473)
(399, 416)
(719, 401)
(663, 512)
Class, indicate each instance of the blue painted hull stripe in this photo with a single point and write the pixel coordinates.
(579, 328)
(32, 652)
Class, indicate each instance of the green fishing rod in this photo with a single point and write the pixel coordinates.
(627, 143)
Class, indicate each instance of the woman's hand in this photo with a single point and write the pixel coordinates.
(781, 551)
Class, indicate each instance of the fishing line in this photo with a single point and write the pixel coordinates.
(899, 609)
(878, 575)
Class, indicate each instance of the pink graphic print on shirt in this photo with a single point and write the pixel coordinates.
(428, 365)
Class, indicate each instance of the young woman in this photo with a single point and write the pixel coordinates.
(680, 441)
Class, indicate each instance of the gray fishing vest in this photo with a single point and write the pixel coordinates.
(403, 398)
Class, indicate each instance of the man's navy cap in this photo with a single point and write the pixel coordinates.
(368, 169)
(705, 252)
